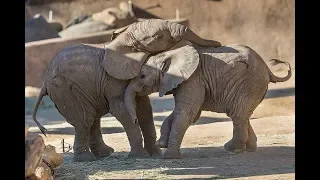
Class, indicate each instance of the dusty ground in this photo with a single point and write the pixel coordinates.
(205, 158)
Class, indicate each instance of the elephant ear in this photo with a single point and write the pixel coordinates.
(123, 64)
(178, 66)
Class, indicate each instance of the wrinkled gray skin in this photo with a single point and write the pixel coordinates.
(87, 81)
(231, 79)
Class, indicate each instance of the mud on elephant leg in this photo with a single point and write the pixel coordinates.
(165, 132)
(145, 119)
(118, 110)
(97, 146)
(81, 148)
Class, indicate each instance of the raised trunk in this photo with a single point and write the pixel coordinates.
(129, 101)
(180, 32)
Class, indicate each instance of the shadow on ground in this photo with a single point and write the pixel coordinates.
(201, 120)
(70, 130)
(275, 93)
(211, 161)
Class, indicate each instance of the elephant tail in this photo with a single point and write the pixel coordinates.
(274, 78)
(43, 93)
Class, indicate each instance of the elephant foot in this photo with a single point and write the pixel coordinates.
(83, 156)
(138, 153)
(172, 155)
(233, 148)
(154, 151)
(161, 143)
(102, 151)
(251, 145)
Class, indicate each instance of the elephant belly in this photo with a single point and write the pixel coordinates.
(210, 105)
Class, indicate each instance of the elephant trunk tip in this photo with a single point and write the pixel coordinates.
(194, 38)
(212, 43)
(135, 120)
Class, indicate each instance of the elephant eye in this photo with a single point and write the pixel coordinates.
(142, 76)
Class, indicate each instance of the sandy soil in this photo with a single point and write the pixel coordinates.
(204, 156)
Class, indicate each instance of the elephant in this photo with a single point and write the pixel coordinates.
(231, 79)
(87, 81)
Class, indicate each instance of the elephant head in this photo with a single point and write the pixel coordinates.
(161, 73)
(131, 45)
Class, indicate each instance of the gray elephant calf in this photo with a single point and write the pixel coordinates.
(86, 81)
(231, 79)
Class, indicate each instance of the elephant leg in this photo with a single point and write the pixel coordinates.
(145, 117)
(252, 139)
(250, 97)
(97, 146)
(251, 144)
(188, 103)
(118, 110)
(166, 128)
(165, 132)
(71, 106)
(80, 147)
(240, 135)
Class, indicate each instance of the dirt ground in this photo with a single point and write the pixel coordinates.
(202, 147)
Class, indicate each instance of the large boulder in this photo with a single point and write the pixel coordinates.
(39, 29)
(110, 18)
(77, 20)
(118, 17)
(88, 26)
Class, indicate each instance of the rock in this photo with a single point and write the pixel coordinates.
(89, 26)
(57, 26)
(39, 29)
(77, 20)
(117, 17)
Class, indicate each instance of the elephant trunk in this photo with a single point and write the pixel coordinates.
(180, 32)
(194, 38)
(130, 103)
